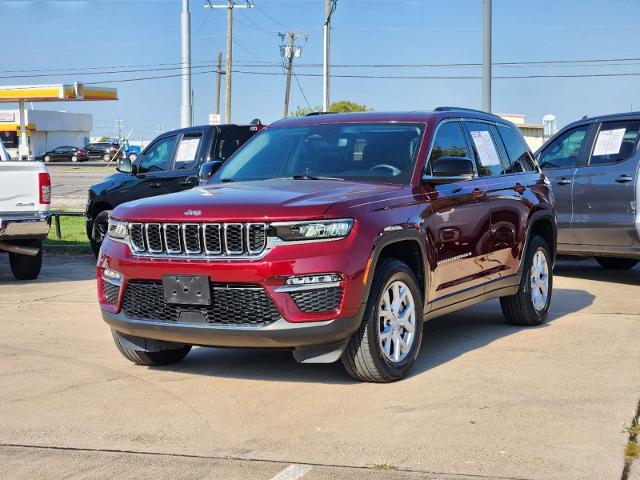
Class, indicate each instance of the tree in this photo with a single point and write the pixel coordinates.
(103, 138)
(343, 106)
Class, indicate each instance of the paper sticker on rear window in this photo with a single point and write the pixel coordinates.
(609, 142)
(486, 148)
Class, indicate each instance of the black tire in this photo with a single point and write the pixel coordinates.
(519, 309)
(363, 357)
(99, 230)
(26, 267)
(74, 158)
(106, 157)
(139, 357)
(616, 263)
(46, 158)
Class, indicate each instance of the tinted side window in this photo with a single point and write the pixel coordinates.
(616, 141)
(485, 149)
(158, 156)
(449, 142)
(521, 160)
(564, 151)
(228, 141)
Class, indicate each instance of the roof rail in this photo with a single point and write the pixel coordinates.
(313, 114)
(460, 109)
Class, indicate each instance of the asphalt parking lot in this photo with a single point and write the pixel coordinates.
(485, 400)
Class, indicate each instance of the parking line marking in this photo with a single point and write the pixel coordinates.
(293, 472)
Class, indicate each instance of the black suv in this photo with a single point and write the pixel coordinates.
(104, 150)
(168, 164)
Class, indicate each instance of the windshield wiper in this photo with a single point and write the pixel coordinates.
(227, 180)
(314, 177)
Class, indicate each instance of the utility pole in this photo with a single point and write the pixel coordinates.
(289, 50)
(231, 4)
(218, 82)
(486, 55)
(186, 106)
(330, 7)
(119, 122)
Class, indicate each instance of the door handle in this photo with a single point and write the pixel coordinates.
(478, 194)
(624, 179)
(563, 181)
(155, 185)
(519, 188)
(188, 182)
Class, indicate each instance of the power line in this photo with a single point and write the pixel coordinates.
(266, 14)
(295, 75)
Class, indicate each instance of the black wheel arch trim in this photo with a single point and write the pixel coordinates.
(533, 218)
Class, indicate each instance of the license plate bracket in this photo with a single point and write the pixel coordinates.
(186, 289)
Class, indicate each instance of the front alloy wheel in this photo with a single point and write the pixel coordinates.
(386, 345)
(106, 157)
(397, 321)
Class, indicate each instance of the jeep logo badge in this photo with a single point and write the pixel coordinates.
(193, 213)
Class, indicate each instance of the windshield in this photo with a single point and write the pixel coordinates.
(368, 152)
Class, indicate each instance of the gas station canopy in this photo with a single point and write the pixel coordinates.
(59, 92)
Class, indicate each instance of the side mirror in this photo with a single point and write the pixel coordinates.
(207, 170)
(450, 170)
(125, 166)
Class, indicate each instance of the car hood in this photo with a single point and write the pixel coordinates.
(267, 200)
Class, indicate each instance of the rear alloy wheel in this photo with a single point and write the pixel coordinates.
(387, 344)
(616, 263)
(133, 157)
(26, 267)
(99, 230)
(74, 158)
(106, 157)
(47, 158)
(530, 305)
(142, 357)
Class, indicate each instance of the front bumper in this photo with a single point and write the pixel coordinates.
(280, 334)
(25, 227)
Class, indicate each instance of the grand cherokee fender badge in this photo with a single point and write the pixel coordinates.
(457, 257)
(193, 213)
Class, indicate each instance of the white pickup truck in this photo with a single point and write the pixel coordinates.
(25, 198)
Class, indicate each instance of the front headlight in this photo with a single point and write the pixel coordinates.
(118, 230)
(315, 230)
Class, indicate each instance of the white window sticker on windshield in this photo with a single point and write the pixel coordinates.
(609, 142)
(486, 148)
(187, 150)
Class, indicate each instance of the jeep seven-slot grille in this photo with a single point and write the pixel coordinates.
(198, 239)
(239, 304)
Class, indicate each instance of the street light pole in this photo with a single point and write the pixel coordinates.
(186, 106)
(330, 6)
(486, 56)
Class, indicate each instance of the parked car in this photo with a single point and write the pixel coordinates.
(593, 168)
(132, 152)
(65, 154)
(335, 236)
(169, 164)
(104, 150)
(25, 197)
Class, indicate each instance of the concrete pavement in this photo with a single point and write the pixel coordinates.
(485, 399)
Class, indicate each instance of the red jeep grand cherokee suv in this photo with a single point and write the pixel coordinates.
(335, 236)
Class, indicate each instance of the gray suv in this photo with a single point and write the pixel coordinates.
(593, 168)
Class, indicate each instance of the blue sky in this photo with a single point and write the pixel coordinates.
(56, 36)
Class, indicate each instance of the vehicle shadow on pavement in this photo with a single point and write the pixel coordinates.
(445, 338)
(588, 269)
(55, 268)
